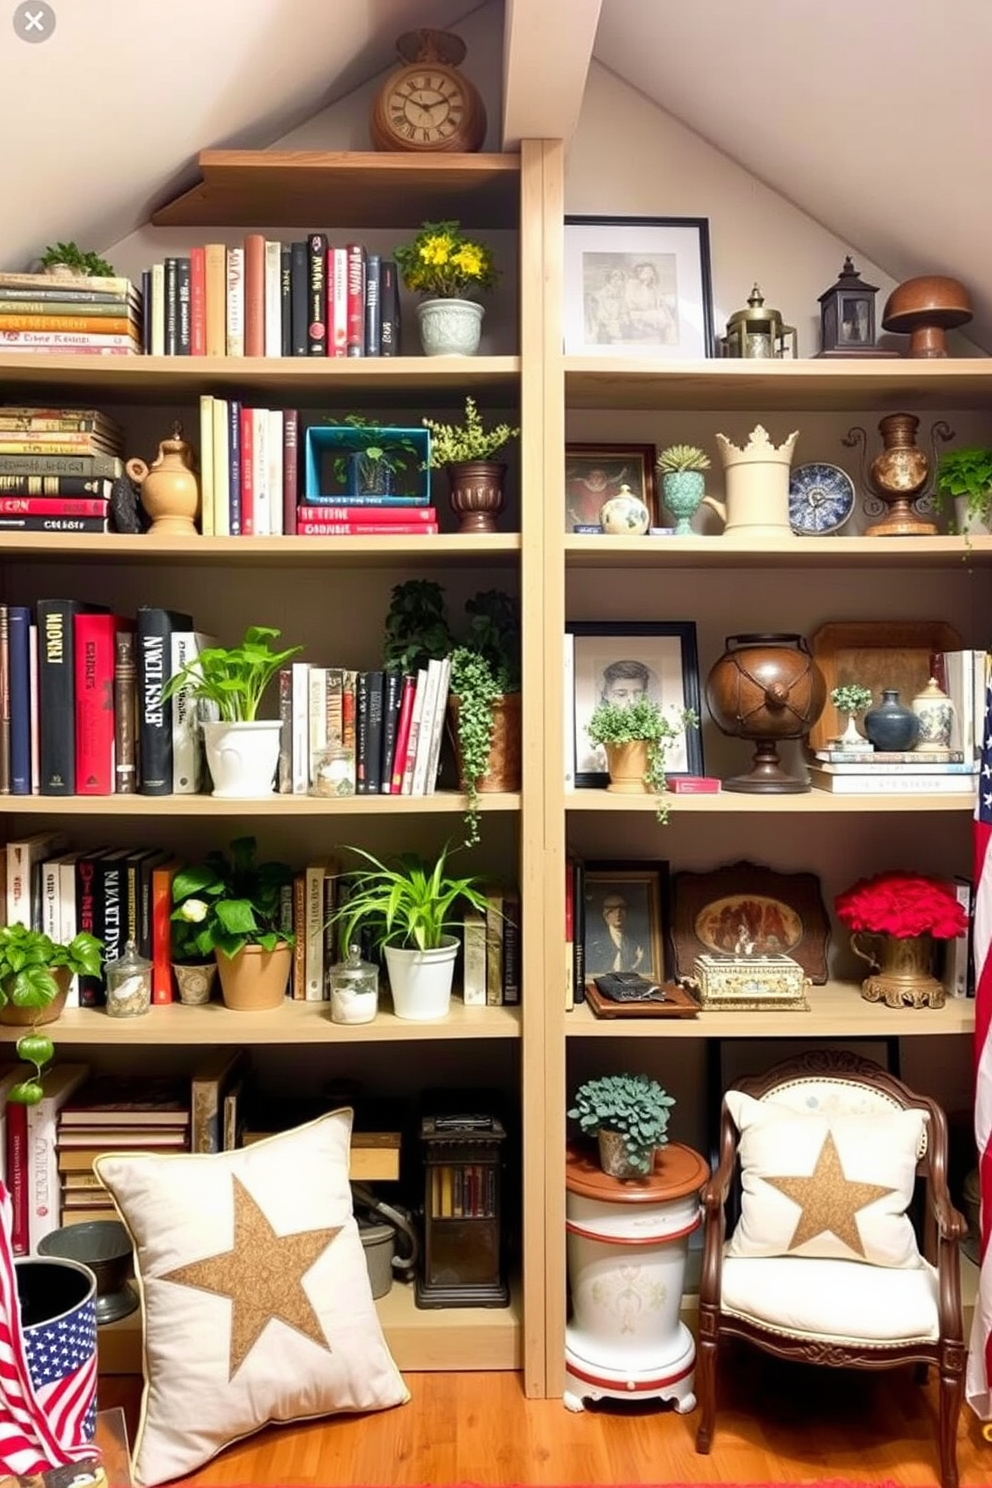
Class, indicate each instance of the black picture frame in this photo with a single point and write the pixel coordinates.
(666, 650)
(644, 888)
(638, 287)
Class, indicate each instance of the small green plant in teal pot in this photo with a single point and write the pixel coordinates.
(683, 483)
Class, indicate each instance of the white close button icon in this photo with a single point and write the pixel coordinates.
(34, 21)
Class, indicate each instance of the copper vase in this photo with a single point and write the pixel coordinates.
(900, 970)
(897, 478)
(766, 688)
(476, 493)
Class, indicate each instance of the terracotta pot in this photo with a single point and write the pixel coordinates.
(254, 980)
(16, 1017)
(476, 493)
(628, 767)
(505, 768)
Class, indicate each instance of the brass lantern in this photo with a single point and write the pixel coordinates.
(757, 331)
(847, 317)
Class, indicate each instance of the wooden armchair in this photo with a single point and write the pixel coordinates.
(832, 1306)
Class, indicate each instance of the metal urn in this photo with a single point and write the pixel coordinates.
(766, 687)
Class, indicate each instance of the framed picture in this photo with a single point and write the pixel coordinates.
(595, 472)
(638, 286)
(777, 913)
(622, 906)
(623, 659)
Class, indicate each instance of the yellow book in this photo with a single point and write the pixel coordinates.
(206, 465)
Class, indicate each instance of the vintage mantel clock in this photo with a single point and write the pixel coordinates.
(847, 317)
(757, 331)
(427, 104)
(463, 1263)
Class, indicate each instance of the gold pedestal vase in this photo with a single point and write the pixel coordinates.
(900, 970)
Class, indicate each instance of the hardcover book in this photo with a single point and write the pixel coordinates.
(153, 642)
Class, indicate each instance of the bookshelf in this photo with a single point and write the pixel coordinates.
(726, 584)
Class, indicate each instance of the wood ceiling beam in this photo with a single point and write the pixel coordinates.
(547, 49)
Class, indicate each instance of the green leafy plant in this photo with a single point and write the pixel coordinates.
(416, 629)
(470, 440)
(682, 457)
(394, 455)
(641, 719)
(405, 901)
(485, 666)
(234, 678)
(633, 1105)
(228, 902)
(965, 472)
(72, 257)
(28, 961)
(851, 699)
(442, 261)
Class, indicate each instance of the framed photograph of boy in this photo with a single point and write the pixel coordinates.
(595, 472)
(622, 909)
(620, 661)
(638, 287)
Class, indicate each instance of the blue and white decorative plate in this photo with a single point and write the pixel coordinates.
(821, 499)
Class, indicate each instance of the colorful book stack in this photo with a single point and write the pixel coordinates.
(72, 315)
(266, 298)
(882, 772)
(57, 467)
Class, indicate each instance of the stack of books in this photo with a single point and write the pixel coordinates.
(57, 468)
(71, 315)
(114, 1115)
(852, 772)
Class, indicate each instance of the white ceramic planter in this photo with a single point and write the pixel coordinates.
(420, 981)
(450, 327)
(242, 757)
(968, 522)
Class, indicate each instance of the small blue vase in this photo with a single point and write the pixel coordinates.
(890, 725)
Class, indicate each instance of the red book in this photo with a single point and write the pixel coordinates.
(254, 294)
(395, 787)
(162, 932)
(359, 529)
(95, 653)
(366, 515)
(16, 1128)
(290, 469)
(247, 473)
(53, 506)
(198, 301)
(355, 323)
(694, 785)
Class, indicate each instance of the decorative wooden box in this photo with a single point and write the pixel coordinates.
(756, 982)
(463, 1252)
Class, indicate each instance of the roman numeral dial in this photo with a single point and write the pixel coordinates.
(428, 105)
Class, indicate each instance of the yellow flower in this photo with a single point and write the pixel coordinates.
(469, 260)
(435, 250)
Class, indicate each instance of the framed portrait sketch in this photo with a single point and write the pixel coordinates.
(779, 914)
(595, 472)
(638, 287)
(622, 908)
(621, 660)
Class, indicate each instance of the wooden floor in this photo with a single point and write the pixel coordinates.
(778, 1424)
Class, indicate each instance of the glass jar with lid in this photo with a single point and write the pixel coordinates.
(353, 988)
(129, 984)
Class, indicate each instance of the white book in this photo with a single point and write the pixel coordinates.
(274, 452)
(222, 472)
(979, 693)
(273, 298)
(568, 710)
(912, 783)
(437, 726)
(261, 493)
(68, 914)
(158, 310)
(416, 715)
(206, 465)
(235, 302)
(24, 857)
(419, 785)
(51, 917)
(58, 1083)
(188, 713)
(337, 329)
(959, 673)
(955, 973)
(474, 958)
(300, 738)
(316, 719)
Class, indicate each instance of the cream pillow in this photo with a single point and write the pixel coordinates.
(835, 1187)
(256, 1295)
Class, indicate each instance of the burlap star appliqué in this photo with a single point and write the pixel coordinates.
(829, 1200)
(262, 1274)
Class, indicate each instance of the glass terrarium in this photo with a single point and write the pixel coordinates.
(129, 984)
(353, 989)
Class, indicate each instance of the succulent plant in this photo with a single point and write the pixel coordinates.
(683, 457)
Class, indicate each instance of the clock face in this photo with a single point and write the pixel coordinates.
(821, 499)
(427, 105)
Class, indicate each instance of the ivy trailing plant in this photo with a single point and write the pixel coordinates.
(642, 720)
(968, 473)
(29, 960)
(72, 257)
(485, 666)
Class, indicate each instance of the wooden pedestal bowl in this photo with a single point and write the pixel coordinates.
(925, 309)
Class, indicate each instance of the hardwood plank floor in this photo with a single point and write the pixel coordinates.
(777, 1424)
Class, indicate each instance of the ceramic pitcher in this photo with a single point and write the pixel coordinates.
(757, 485)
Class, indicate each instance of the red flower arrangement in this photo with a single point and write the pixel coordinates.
(901, 904)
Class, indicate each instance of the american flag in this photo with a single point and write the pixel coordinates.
(47, 1377)
(978, 1380)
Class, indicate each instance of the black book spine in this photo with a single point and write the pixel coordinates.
(54, 485)
(286, 300)
(234, 467)
(300, 298)
(361, 733)
(112, 871)
(373, 306)
(171, 308)
(184, 338)
(392, 692)
(389, 309)
(89, 917)
(579, 932)
(153, 631)
(146, 311)
(56, 697)
(373, 774)
(317, 294)
(54, 524)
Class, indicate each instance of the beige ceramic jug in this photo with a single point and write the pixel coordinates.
(169, 490)
(757, 486)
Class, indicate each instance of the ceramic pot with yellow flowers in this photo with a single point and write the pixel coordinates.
(447, 268)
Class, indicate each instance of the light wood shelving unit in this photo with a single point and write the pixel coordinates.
(557, 576)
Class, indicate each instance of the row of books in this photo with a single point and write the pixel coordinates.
(29, 435)
(267, 298)
(73, 315)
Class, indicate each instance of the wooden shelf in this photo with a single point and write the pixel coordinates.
(299, 381)
(292, 1023)
(837, 1010)
(447, 550)
(319, 189)
(804, 385)
(733, 803)
(142, 807)
(731, 551)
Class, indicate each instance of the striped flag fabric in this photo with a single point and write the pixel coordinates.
(978, 1379)
(47, 1378)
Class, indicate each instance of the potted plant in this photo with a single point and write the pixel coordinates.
(468, 451)
(850, 700)
(231, 909)
(903, 913)
(68, 260)
(447, 267)
(628, 1114)
(194, 969)
(484, 701)
(35, 973)
(411, 908)
(242, 749)
(374, 456)
(636, 736)
(683, 483)
(964, 477)
(416, 629)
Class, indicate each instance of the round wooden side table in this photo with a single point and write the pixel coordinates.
(627, 1243)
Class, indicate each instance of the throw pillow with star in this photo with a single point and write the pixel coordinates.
(834, 1187)
(255, 1290)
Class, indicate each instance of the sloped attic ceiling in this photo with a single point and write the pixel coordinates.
(875, 119)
